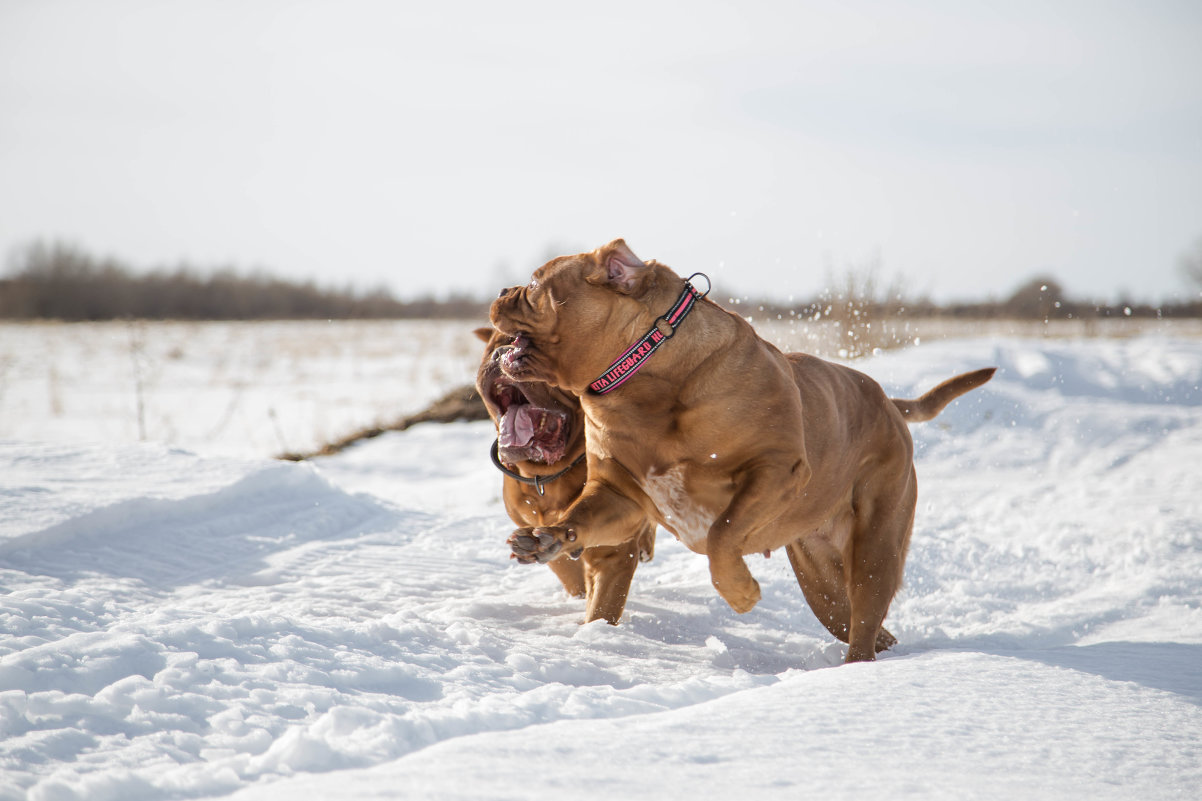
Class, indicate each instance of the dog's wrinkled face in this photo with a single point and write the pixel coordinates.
(535, 422)
(570, 305)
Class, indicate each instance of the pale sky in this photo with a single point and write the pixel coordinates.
(453, 146)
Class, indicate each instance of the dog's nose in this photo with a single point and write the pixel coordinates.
(504, 291)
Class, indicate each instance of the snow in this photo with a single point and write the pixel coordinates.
(209, 623)
(242, 389)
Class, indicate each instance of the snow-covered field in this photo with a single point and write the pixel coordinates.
(194, 620)
(235, 389)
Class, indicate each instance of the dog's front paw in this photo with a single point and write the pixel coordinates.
(541, 544)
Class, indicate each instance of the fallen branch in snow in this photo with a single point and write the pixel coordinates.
(460, 404)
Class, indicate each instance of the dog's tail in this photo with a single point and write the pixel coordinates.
(932, 403)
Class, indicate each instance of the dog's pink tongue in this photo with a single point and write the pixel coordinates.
(517, 427)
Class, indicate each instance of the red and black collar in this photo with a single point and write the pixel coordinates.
(664, 329)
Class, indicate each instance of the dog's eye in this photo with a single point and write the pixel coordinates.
(533, 284)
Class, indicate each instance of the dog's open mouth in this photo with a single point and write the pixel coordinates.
(526, 432)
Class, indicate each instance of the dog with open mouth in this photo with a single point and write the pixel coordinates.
(696, 423)
(540, 450)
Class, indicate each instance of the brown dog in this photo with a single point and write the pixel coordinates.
(540, 448)
(734, 447)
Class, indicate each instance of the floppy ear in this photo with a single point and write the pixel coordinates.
(619, 267)
(483, 334)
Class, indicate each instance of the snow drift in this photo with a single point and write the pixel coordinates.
(182, 626)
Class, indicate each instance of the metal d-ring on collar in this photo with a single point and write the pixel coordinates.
(538, 481)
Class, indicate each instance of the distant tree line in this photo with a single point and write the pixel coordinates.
(1041, 298)
(62, 282)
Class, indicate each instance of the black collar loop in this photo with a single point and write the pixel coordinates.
(538, 481)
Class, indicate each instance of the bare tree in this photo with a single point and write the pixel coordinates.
(862, 307)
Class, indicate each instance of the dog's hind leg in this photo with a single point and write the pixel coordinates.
(878, 555)
(819, 570)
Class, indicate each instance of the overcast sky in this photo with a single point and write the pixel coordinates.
(449, 146)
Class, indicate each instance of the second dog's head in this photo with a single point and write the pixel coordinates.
(536, 423)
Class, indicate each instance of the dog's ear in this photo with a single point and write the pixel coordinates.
(483, 334)
(617, 266)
